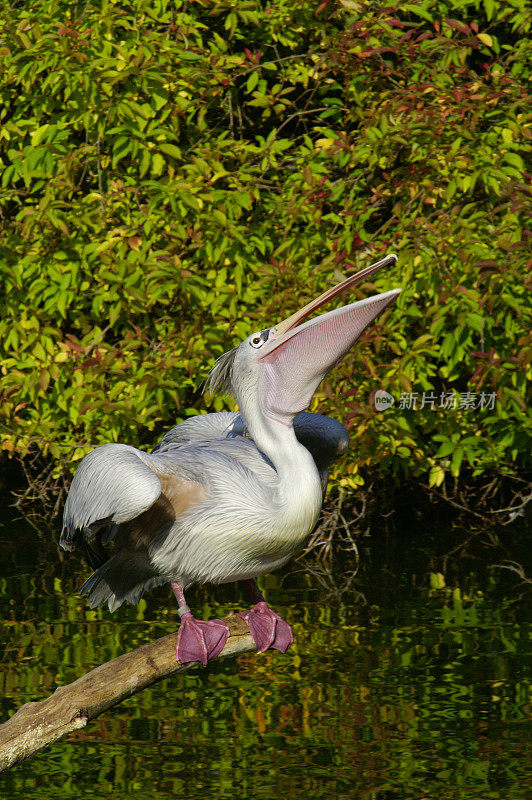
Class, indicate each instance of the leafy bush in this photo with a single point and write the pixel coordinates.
(175, 175)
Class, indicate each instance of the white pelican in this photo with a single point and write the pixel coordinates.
(223, 497)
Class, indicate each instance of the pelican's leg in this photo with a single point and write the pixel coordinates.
(197, 640)
(266, 627)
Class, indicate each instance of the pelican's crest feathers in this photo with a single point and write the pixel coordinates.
(220, 377)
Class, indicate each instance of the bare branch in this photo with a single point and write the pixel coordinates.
(36, 725)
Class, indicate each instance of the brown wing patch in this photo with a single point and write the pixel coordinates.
(182, 494)
(178, 496)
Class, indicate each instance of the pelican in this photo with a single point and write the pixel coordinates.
(223, 497)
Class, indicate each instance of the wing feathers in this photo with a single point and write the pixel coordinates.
(112, 484)
(177, 496)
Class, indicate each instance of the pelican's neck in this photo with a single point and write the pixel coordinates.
(298, 478)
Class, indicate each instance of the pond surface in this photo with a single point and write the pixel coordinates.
(412, 683)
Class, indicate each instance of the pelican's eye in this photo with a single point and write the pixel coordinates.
(258, 339)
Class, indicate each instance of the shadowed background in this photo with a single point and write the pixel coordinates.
(413, 682)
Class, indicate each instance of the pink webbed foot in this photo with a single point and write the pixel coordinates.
(199, 640)
(267, 628)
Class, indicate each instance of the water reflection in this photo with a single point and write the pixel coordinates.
(418, 690)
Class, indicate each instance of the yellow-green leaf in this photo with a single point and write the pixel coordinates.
(486, 39)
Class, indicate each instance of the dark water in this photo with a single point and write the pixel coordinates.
(413, 684)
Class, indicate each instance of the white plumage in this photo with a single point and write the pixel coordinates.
(223, 497)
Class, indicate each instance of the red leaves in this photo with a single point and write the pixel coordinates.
(74, 34)
(488, 264)
(253, 58)
(458, 26)
(395, 23)
(73, 346)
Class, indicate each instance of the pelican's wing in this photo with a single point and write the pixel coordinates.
(201, 428)
(132, 498)
(324, 437)
(113, 484)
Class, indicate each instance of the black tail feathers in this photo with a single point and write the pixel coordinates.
(125, 576)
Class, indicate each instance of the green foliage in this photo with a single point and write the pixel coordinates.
(175, 175)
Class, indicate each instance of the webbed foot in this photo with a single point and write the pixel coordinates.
(200, 640)
(268, 629)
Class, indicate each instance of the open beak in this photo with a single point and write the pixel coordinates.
(288, 324)
(299, 354)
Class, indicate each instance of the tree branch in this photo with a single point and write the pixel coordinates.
(71, 707)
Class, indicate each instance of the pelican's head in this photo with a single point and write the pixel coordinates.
(283, 366)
